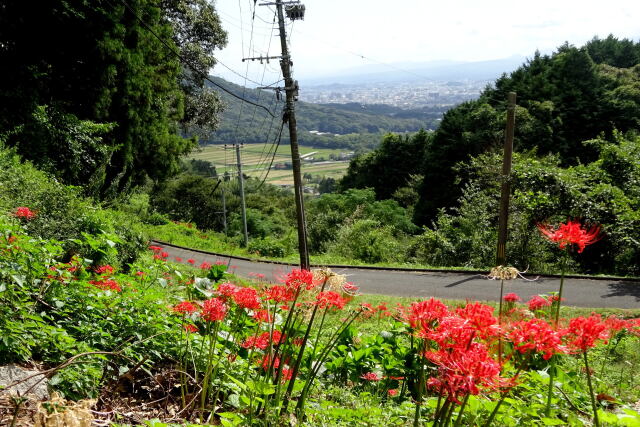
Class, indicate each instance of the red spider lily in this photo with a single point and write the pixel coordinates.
(192, 329)
(262, 316)
(462, 372)
(330, 299)
(571, 233)
(392, 392)
(164, 255)
(616, 324)
(262, 341)
(104, 269)
(633, 326)
(106, 284)
(24, 212)
(155, 248)
(424, 314)
(584, 332)
(537, 302)
(451, 332)
(178, 259)
(371, 376)
(213, 310)
(349, 288)
(536, 336)
(185, 307)
(140, 273)
(511, 297)
(298, 279)
(191, 261)
(227, 290)
(278, 294)
(480, 317)
(205, 265)
(247, 297)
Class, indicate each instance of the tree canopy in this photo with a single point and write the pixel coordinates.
(101, 91)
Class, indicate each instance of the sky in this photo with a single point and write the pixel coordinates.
(337, 35)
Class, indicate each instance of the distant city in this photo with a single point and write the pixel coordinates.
(400, 94)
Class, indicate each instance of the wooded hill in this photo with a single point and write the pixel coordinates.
(346, 125)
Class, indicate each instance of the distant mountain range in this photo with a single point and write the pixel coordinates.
(420, 72)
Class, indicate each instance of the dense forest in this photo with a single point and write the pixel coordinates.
(350, 126)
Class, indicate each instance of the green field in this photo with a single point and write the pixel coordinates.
(257, 157)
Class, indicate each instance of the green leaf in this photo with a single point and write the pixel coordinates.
(552, 421)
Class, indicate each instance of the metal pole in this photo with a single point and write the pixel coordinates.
(244, 208)
(501, 256)
(291, 89)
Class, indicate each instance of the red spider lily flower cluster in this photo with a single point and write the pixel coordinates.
(262, 316)
(263, 340)
(536, 336)
(185, 307)
(371, 376)
(511, 297)
(205, 265)
(538, 302)
(106, 285)
(192, 329)
(423, 314)
(330, 299)
(299, 279)
(214, 310)
(462, 372)
(24, 212)
(571, 233)
(278, 294)
(104, 269)
(584, 332)
(105, 282)
(246, 297)
(191, 261)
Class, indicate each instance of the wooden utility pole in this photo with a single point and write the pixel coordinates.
(501, 257)
(244, 208)
(291, 88)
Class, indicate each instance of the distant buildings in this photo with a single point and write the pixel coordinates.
(403, 95)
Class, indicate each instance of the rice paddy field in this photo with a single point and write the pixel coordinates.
(256, 159)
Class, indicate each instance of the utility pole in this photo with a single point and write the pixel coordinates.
(224, 210)
(291, 88)
(501, 257)
(244, 207)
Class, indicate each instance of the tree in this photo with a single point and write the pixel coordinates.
(104, 62)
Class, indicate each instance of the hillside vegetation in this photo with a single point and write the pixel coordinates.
(347, 126)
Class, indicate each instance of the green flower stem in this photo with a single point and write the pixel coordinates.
(596, 422)
(213, 340)
(552, 374)
(416, 417)
(298, 361)
(323, 356)
(464, 404)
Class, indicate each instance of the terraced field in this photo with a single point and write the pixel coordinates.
(256, 159)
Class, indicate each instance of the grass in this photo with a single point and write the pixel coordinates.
(256, 158)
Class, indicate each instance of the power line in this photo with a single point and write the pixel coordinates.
(186, 61)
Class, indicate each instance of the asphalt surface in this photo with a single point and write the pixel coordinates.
(600, 293)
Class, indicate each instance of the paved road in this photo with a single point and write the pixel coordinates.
(577, 292)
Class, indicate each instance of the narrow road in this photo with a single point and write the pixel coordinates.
(422, 284)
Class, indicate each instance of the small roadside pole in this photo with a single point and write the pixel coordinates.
(243, 204)
(501, 257)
